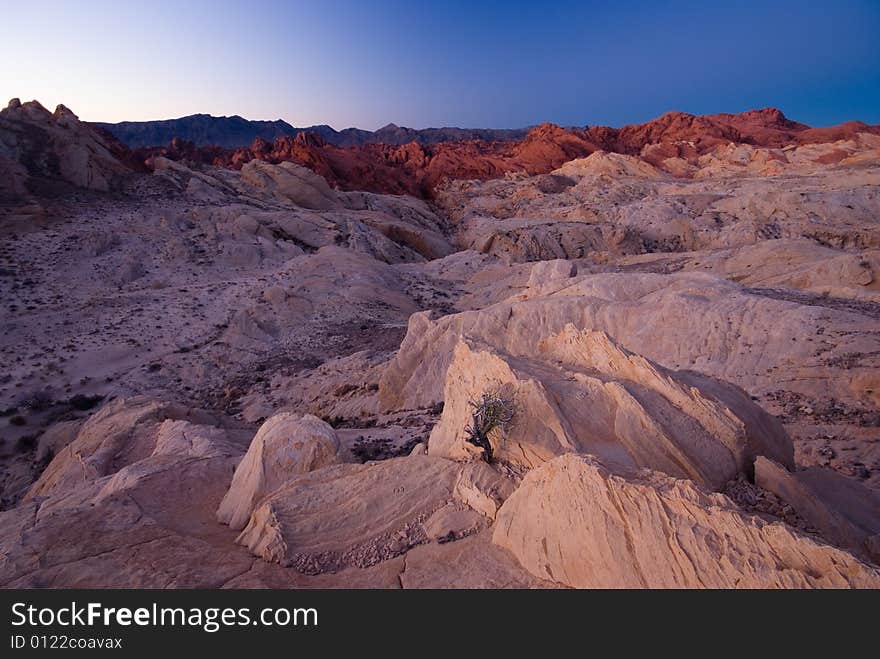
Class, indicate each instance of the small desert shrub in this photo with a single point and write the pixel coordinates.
(493, 410)
(380, 448)
(26, 442)
(554, 183)
(36, 401)
(334, 421)
(83, 403)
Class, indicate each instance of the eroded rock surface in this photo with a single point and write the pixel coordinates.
(259, 372)
(350, 515)
(575, 523)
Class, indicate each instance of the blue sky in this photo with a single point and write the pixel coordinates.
(496, 64)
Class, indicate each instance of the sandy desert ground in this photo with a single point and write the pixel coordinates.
(240, 376)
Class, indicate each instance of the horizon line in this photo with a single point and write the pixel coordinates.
(450, 126)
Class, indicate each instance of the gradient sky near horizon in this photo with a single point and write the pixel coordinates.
(455, 63)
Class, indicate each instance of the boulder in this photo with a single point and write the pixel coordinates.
(285, 446)
(290, 182)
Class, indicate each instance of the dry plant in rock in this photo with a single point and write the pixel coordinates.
(494, 409)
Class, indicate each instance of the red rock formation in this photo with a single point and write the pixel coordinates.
(417, 169)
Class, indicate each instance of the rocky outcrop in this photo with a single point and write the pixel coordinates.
(123, 432)
(610, 208)
(801, 264)
(389, 228)
(581, 392)
(577, 524)
(38, 144)
(748, 337)
(350, 515)
(285, 446)
(291, 182)
(145, 525)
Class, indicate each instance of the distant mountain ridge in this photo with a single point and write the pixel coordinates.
(201, 129)
(236, 131)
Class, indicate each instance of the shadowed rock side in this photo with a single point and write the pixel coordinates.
(253, 375)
